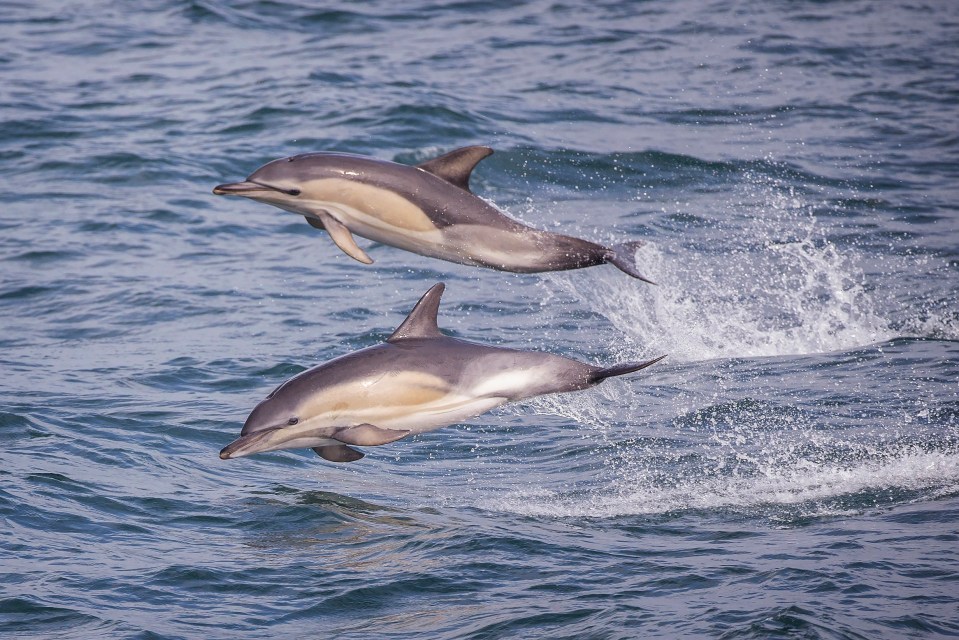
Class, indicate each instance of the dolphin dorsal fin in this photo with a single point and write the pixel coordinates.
(421, 323)
(456, 166)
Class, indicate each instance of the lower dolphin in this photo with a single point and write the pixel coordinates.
(427, 209)
(417, 381)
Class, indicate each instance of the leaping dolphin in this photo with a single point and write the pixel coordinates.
(418, 380)
(427, 209)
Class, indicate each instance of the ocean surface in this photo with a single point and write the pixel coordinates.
(791, 470)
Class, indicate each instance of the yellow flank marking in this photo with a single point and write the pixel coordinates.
(403, 392)
(382, 204)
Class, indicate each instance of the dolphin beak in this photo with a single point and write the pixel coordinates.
(249, 444)
(239, 188)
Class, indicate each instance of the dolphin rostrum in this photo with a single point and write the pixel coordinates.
(417, 381)
(427, 209)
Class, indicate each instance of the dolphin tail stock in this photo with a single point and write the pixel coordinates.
(621, 369)
(623, 256)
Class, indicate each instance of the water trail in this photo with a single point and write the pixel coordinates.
(751, 455)
(810, 489)
(767, 279)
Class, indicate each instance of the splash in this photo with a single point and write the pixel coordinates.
(770, 278)
(766, 280)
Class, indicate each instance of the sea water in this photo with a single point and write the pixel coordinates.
(790, 470)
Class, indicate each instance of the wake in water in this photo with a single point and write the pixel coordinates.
(765, 280)
(762, 458)
(784, 494)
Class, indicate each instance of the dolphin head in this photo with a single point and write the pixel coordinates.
(295, 183)
(279, 183)
(266, 428)
(276, 410)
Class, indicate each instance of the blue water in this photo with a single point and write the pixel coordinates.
(791, 470)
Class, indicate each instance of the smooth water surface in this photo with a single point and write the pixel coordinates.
(791, 470)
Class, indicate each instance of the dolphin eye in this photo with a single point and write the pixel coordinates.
(294, 192)
(293, 420)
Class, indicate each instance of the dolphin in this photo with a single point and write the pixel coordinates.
(427, 209)
(417, 381)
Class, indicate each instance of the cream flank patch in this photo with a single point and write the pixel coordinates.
(384, 216)
(382, 207)
(402, 389)
(404, 400)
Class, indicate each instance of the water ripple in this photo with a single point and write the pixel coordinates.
(790, 469)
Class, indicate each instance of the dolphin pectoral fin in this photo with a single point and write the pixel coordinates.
(338, 453)
(368, 435)
(456, 166)
(316, 224)
(343, 238)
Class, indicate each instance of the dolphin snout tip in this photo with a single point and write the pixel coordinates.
(222, 189)
(238, 188)
(249, 444)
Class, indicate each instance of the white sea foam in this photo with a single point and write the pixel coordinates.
(815, 487)
(769, 283)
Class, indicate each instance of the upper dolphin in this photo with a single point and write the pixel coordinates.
(418, 380)
(427, 209)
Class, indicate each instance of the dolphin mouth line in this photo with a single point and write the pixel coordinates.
(245, 443)
(250, 186)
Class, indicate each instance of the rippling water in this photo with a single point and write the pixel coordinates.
(791, 470)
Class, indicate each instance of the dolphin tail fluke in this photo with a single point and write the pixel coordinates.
(621, 369)
(623, 256)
